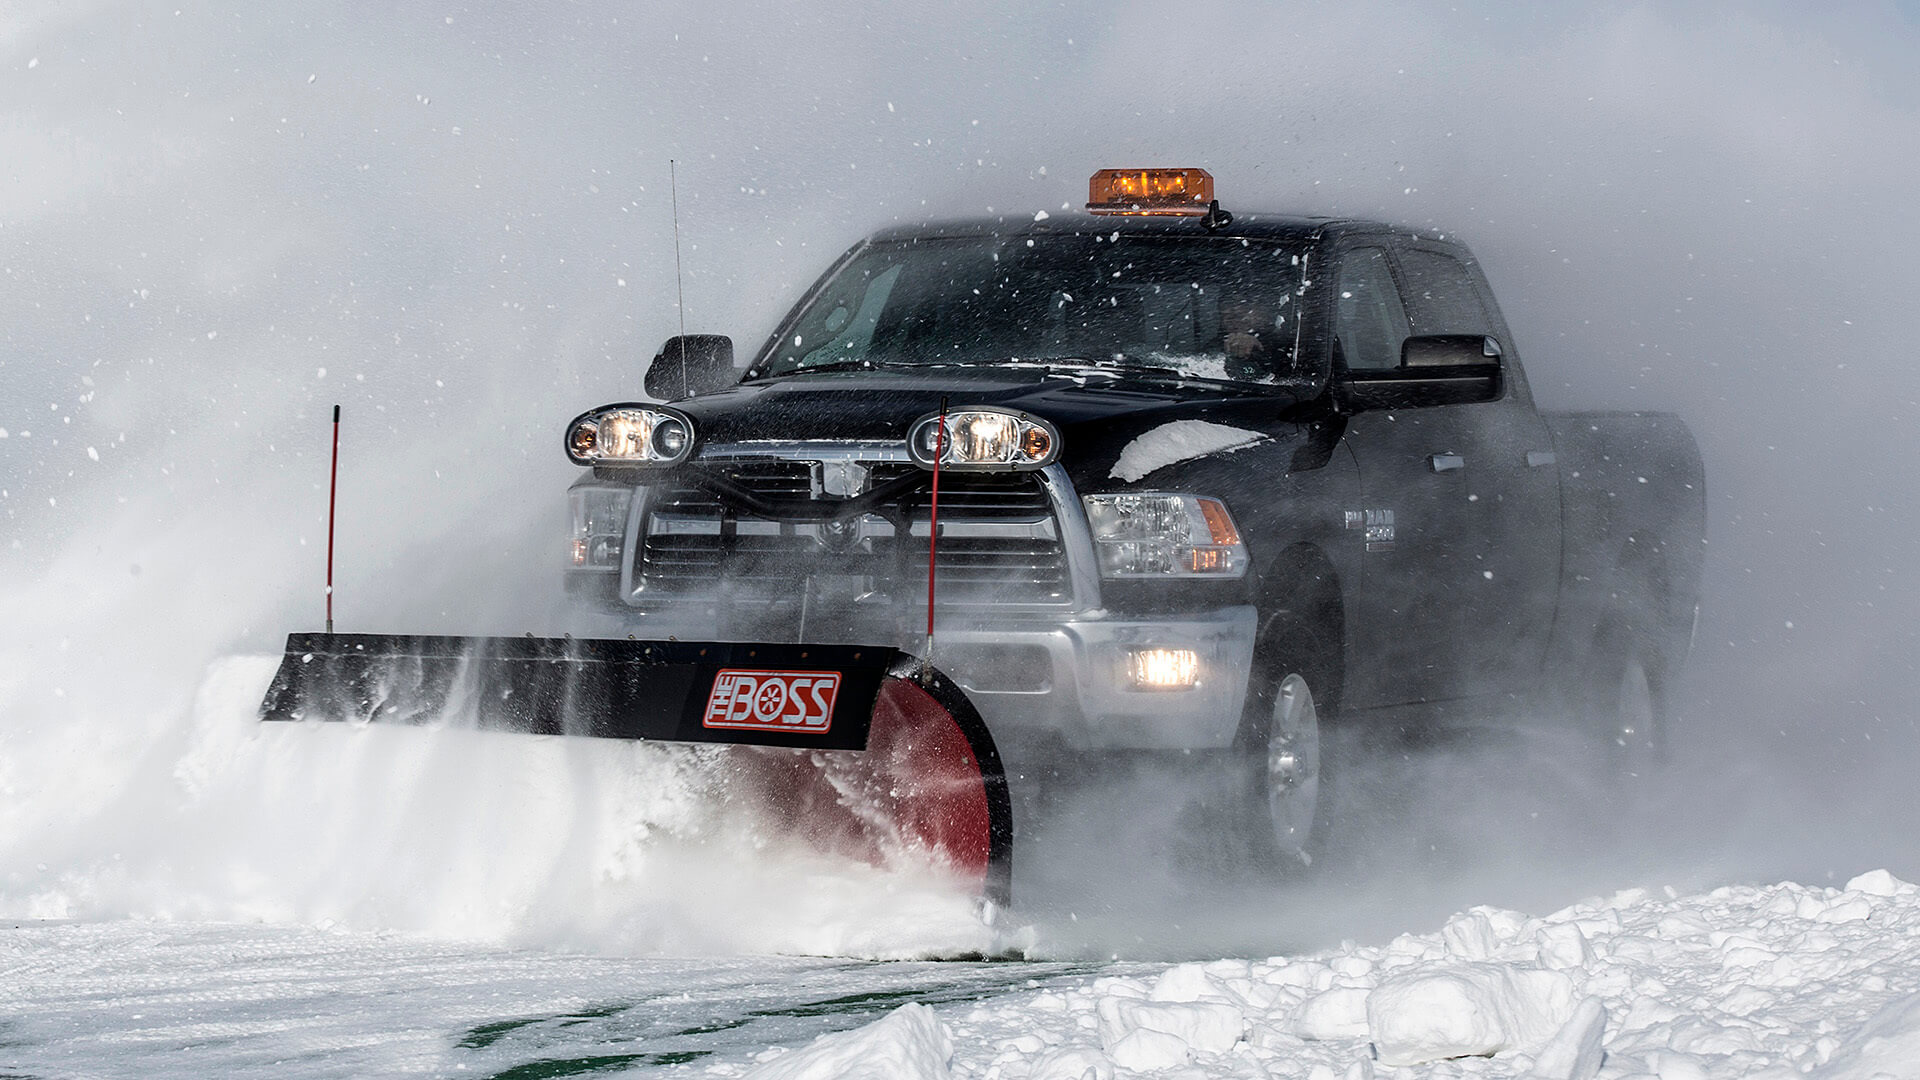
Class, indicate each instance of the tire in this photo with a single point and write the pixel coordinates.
(1284, 759)
(1623, 711)
(1286, 779)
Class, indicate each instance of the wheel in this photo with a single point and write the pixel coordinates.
(1287, 783)
(1624, 710)
(1284, 744)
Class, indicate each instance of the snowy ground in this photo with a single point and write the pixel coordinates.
(1777, 981)
(294, 900)
(200, 999)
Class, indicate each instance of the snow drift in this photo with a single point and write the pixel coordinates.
(1769, 982)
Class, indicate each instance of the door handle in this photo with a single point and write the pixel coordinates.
(1447, 462)
(1538, 458)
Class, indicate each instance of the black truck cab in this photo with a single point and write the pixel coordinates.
(1275, 455)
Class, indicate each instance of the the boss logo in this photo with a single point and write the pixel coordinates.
(772, 700)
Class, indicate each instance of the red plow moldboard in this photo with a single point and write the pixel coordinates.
(898, 756)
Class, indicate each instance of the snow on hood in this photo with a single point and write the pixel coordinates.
(1180, 440)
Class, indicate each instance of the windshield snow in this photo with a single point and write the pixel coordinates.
(1221, 308)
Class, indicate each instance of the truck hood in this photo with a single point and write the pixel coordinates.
(1096, 413)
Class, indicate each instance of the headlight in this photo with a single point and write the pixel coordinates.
(629, 435)
(599, 526)
(1157, 535)
(984, 439)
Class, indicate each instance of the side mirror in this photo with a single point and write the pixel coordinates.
(691, 365)
(1435, 369)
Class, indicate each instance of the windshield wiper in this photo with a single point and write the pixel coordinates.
(837, 365)
(1113, 367)
(871, 364)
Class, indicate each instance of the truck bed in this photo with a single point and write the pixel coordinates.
(1633, 508)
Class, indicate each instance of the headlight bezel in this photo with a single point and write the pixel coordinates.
(1129, 546)
(666, 436)
(1026, 428)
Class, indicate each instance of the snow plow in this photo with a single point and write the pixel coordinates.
(1187, 502)
(861, 751)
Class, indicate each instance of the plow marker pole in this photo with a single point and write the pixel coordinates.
(933, 523)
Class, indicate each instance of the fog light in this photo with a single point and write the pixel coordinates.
(1163, 669)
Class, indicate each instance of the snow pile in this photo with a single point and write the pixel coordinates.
(1774, 982)
(1451, 1010)
(910, 1043)
(1181, 440)
(1887, 1046)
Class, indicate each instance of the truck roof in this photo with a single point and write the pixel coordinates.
(1261, 226)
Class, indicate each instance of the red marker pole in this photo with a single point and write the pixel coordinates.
(333, 487)
(933, 521)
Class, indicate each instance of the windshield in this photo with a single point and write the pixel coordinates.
(1200, 307)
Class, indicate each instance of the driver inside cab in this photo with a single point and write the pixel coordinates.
(1250, 336)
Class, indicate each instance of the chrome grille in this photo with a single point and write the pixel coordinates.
(999, 542)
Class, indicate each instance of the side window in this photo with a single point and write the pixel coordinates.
(1441, 298)
(1368, 320)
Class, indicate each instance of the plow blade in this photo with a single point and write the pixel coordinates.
(859, 750)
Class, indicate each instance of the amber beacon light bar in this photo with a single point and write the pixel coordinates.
(1150, 192)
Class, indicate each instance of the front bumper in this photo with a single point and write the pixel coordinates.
(1062, 683)
(1051, 673)
(1086, 702)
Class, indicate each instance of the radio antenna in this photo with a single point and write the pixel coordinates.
(679, 286)
(333, 488)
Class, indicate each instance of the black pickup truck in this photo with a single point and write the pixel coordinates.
(1208, 483)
